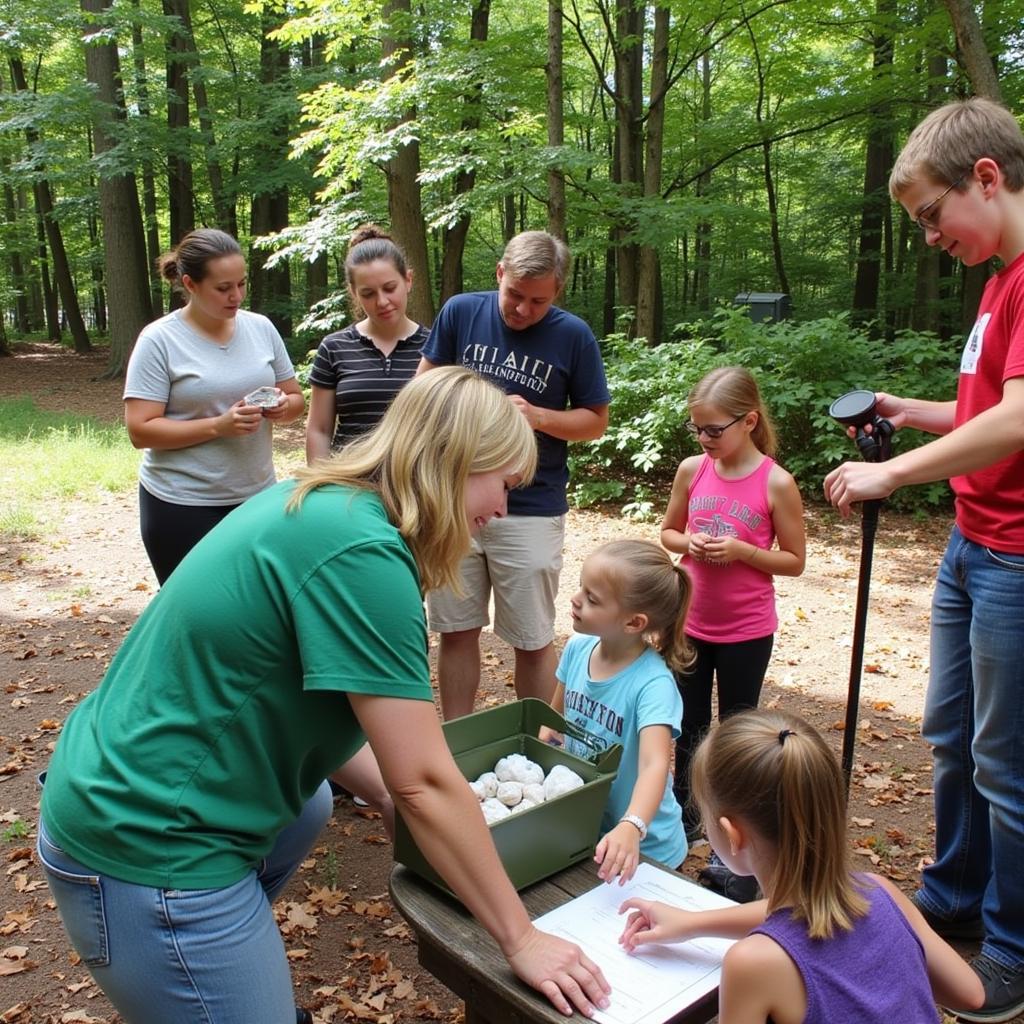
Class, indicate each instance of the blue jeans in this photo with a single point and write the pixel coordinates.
(207, 956)
(974, 718)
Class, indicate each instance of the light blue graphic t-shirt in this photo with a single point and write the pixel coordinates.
(614, 711)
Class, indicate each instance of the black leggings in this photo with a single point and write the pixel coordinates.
(169, 532)
(740, 669)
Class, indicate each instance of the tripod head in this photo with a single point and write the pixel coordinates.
(857, 409)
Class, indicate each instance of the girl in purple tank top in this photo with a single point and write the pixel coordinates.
(736, 518)
(825, 944)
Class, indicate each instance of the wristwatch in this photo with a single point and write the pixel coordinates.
(638, 823)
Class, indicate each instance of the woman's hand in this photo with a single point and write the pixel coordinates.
(618, 853)
(561, 971)
(239, 420)
(655, 922)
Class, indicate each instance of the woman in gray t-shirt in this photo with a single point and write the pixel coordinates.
(207, 448)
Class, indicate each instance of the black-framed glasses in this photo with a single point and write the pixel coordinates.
(931, 223)
(712, 430)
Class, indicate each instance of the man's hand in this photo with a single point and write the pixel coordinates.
(534, 414)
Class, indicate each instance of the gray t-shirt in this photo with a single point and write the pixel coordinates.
(195, 377)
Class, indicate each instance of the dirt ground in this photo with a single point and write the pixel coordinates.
(68, 599)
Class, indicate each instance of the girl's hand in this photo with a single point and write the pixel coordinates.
(725, 549)
(698, 545)
(618, 853)
(548, 735)
(655, 922)
(239, 420)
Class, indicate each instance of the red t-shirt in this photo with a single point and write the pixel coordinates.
(990, 501)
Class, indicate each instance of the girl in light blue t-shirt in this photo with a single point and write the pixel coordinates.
(615, 681)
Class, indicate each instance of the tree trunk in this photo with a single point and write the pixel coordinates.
(402, 171)
(317, 268)
(150, 222)
(974, 54)
(124, 243)
(454, 243)
(629, 35)
(223, 207)
(180, 197)
(51, 306)
(702, 240)
(649, 299)
(19, 279)
(54, 238)
(981, 70)
(556, 120)
(877, 164)
(271, 291)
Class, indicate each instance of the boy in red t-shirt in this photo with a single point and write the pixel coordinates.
(960, 177)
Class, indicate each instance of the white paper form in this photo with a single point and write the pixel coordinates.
(656, 982)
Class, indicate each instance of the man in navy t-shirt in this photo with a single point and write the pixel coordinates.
(548, 362)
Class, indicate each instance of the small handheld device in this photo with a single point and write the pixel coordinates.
(857, 409)
(265, 398)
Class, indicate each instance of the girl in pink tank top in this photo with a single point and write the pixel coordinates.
(736, 518)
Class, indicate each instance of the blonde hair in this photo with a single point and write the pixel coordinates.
(647, 581)
(774, 771)
(734, 390)
(441, 427)
(949, 141)
(534, 254)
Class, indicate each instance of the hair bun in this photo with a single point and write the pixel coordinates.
(366, 233)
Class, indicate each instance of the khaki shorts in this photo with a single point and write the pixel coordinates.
(519, 558)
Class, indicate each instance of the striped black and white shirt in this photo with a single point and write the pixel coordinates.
(363, 379)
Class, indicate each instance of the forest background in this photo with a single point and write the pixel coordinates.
(690, 153)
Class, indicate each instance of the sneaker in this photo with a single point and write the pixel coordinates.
(303, 1016)
(965, 929)
(694, 831)
(1004, 991)
(718, 878)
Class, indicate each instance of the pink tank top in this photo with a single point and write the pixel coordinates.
(731, 602)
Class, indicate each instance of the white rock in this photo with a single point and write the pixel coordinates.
(534, 792)
(561, 780)
(478, 790)
(510, 793)
(489, 782)
(494, 810)
(524, 805)
(518, 768)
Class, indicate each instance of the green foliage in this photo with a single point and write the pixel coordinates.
(800, 367)
(15, 831)
(49, 457)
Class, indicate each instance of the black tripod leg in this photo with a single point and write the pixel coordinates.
(868, 525)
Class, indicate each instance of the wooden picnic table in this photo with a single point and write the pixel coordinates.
(457, 951)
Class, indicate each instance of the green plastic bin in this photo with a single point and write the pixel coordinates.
(545, 839)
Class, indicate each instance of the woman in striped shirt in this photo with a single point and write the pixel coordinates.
(359, 370)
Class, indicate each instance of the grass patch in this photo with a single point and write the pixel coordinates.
(47, 458)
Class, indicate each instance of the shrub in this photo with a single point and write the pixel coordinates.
(801, 368)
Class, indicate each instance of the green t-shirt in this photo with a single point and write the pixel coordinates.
(226, 707)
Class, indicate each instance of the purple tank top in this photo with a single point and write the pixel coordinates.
(874, 974)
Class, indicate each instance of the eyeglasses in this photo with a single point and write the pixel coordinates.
(932, 223)
(712, 430)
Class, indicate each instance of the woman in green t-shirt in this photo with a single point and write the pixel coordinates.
(188, 787)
